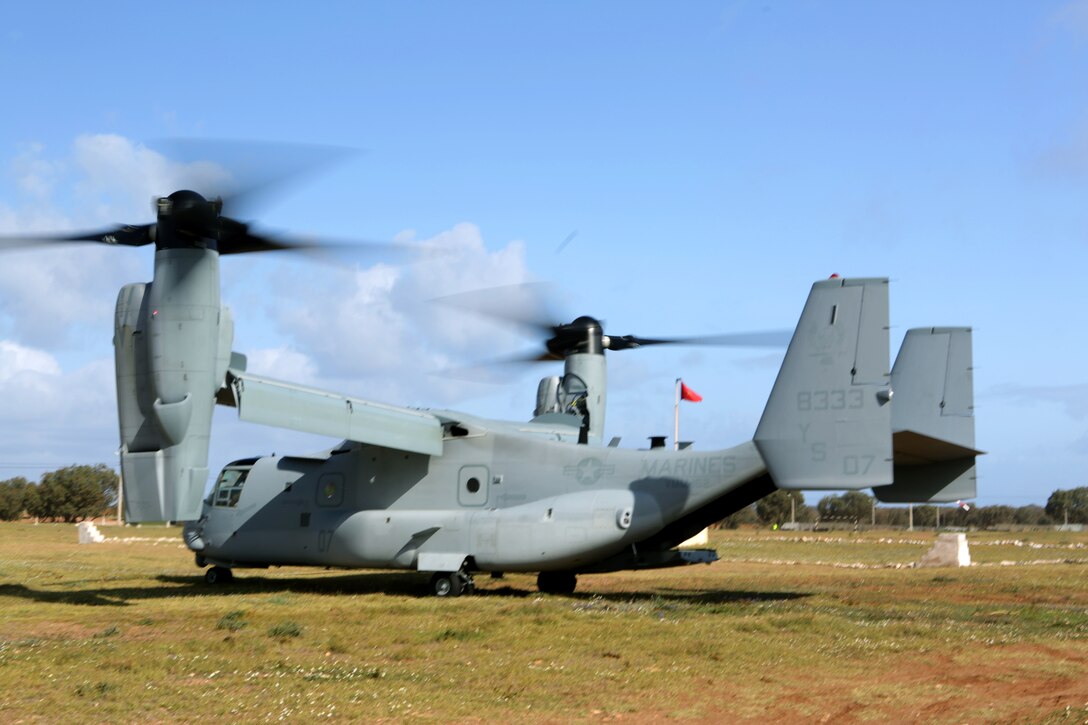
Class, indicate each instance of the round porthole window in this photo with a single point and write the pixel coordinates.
(473, 485)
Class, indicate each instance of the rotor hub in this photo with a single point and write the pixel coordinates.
(583, 335)
(187, 219)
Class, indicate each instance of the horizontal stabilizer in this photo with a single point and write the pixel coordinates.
(941, 482)
(916, 449)
(285, 405)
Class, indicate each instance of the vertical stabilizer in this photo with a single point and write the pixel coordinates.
(827, 424)
(933, 424)
(934, 390)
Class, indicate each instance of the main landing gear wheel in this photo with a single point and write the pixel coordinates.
(556, 582)
(452, 584)
(218, 575)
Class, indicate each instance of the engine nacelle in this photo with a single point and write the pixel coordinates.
(172, 346)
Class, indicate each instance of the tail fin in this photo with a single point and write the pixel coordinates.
(827, 424)
(933, 425)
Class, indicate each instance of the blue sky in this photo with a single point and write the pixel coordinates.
(714, 159)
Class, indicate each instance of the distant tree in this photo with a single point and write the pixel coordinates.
(75, 493)
(925, 515)
(745, 517)
(1031, 515)
(959, 516)
(13, 498)
(30, 498)
(806, 514)
(774, 508)
(827, 506)
(851, 506)
(1072, 504)
(986, 516)
(892, 516)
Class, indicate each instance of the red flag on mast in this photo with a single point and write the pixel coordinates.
(687, 393)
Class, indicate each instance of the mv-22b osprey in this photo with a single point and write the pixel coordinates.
(454, 494)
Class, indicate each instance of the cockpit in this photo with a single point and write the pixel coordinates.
(228, 489)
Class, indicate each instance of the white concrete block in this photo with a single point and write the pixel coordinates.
(948, 550)
(700, 539)
(89, 533)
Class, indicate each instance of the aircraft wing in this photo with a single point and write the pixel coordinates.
(286, 405)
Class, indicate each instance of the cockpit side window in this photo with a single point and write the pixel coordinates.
(228, 489)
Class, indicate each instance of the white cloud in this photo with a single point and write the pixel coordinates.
(54, 417)
(119, 177)
(17, 360)
(1072, 398)
(378, 329)
(370, 331)
(34, 386)
(35, 175)
(282, 363)
(102, 180)
(44, 293)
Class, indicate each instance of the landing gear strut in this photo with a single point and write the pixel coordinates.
(452, 584)
(556, 582)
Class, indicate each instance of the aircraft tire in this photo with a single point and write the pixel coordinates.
(556, 582)
(218, 575)
(447, 584)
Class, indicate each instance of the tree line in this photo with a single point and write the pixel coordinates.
(854, 507)
(83, 492)
(69, 494)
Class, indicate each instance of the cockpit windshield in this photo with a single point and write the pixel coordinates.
(228, 489)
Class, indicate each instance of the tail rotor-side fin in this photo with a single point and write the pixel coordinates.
(933, 425)
(827, 424)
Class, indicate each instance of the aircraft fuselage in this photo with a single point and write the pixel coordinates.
(505, 500)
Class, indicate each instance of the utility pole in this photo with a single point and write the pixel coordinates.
(120, 496)
(676, 419)
(910, 517)
(793, 515)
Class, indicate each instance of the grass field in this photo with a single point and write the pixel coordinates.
(787, 627)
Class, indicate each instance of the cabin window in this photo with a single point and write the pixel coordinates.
(472, 485)
(228, 489)
(330, 490)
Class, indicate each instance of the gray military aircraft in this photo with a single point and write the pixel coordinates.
(454, 494)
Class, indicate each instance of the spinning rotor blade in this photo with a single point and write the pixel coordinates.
(239, 238)
(125, 236)
(527, 305)
(245, 241)
(239, 174)
(766, 338)
(246, 175)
